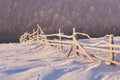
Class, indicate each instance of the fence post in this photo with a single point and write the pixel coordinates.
(77, 46)
(33, 30)
(111, 48)
(28, 36)
(37, 35)
(33, 35)
(74, 41)
(61, 47)
(74, 36)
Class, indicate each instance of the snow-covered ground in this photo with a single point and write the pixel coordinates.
(33, 61)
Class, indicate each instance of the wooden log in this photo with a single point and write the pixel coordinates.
(64, 36)
(41, 32)
(77, 52)
(60, 38)
(69, 51)
(33, 30)
(37, 35)
(33, 33)
(59, 45)
(84, 35)
(107, 60)
(74, 36)
(47, 42)
(75, 42)
(86, 53)
(104, 50)
(101, 45)
(63, 42)
(111, 48)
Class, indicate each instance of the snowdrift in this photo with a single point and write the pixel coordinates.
(33, 61)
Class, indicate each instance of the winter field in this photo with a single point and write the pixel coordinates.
(33, 61)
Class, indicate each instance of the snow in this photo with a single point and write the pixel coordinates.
(33, 61)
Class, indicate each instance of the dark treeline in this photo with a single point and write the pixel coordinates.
(94, 17)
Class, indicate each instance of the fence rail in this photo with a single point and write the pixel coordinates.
(78, 46)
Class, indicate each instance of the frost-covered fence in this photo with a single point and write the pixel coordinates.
(24, 37)
(79, 47)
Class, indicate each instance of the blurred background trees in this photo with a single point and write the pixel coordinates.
(94, 17)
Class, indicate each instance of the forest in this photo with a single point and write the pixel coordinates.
(94, 17)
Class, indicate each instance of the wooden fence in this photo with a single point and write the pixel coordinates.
(79, 47)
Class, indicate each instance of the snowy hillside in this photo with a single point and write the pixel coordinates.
(33, 61)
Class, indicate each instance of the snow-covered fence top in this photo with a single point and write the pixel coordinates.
(79, 47)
